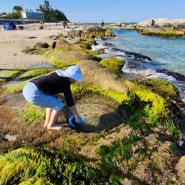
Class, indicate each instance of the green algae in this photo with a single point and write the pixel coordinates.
(146, 110)
(28, 74)
(86, 43)
(115, 154)
(146, 106)
(32, 114)
(15, 87)
(27, 166)
(117, 96)
(113, 64)
(160, 86)
(35, 72)
(60, 64)
(121, 158)
(164, 33)
(9, 74)
(152, 106)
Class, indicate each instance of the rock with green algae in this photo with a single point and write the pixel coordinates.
(64, 45)
(96, 74)
(86, 43)
(26, 166)
(128, 153)
(24, 77)
(98, 79)
(166, 33)
(113, 64)
(161, 87)
(64, 59)
(96, 31)
(9, 74)
(149, 117)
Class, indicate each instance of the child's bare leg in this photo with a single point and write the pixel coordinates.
(48, 116)
(53, 119)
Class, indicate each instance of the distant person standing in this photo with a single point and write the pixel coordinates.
(42, 25)
(102, 23)
(152, 22)
(64, 24)
(175, 26)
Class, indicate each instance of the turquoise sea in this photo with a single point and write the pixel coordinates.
(147, 56)
(167, 52)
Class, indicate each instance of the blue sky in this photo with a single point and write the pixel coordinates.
(109, 10)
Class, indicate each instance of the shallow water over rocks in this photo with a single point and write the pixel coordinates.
(99, 113)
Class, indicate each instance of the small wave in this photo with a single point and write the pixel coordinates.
(98, 47)
(141, 66)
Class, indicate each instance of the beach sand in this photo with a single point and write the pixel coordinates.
(12, 42)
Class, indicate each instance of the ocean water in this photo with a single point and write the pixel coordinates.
(167, 52)
(147, 56)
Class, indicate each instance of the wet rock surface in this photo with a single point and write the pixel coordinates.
(100, 113)
(142, 157)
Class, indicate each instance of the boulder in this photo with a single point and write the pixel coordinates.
(65, 45)
(69, 57)
(94, 73)
(109, 33)
(41, 45)
(162, 22)
(95, 31)
(74, 33)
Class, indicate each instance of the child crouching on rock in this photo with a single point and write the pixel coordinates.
(42, 92)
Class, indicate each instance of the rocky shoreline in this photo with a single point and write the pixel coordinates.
(131, 134)
(162, 27)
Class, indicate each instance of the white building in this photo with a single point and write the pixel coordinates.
(30, 14)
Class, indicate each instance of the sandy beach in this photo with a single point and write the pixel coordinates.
(12, 42)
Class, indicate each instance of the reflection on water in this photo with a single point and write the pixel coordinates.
(99, 112)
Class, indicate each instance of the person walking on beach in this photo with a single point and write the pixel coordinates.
(64, 23)
(42, 91)
(102, 23)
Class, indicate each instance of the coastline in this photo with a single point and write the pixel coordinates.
(12, 42)
(110, 125)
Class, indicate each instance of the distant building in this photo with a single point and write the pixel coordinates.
(30, 14)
